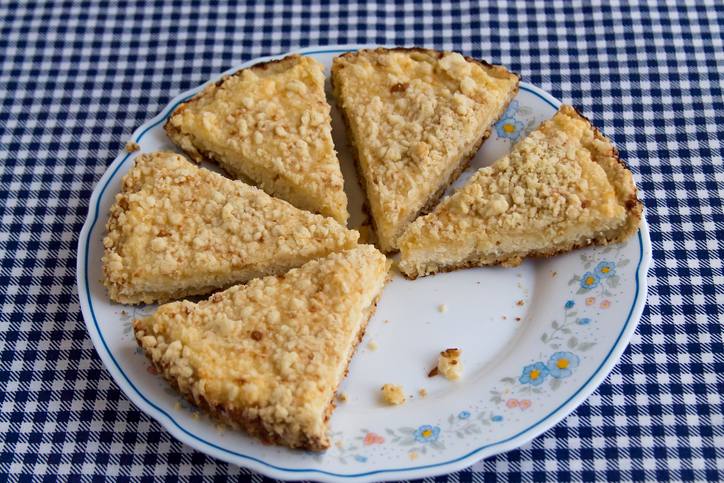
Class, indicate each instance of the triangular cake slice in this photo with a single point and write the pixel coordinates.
(268, 125)
(562, 188)
(177, 230)
(415, 118)
(268, 356)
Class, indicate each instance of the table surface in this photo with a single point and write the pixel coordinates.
(77, 79)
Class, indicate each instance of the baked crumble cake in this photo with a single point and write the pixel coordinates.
(268, 356)
(177, 230)
(562, 188)
(268, 125)
(415, 118)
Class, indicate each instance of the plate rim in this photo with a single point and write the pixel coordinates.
(274, 471)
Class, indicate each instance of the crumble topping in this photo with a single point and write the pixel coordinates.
(269, 123)
(413, 115)
(280, 386)
(176, 230)
(561, 188)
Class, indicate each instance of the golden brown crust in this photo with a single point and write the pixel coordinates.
(591, 200)
(268, 357)
(177, 230)
(412, 169)
(268, 125)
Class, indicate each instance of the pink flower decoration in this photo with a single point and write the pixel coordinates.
(590, 300)
(605, 304)
(372, 438)
(512, 403)
(525, 404)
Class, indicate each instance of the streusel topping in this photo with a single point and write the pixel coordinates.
(273, 350)
(176, 228)
(269, 123)
(413, 115)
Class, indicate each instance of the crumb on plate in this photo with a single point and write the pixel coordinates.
(449, 364)
(393, 394)
(132, 147)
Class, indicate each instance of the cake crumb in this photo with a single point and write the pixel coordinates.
(339, 443)
(433, 372)
(195, 416)
(505, 318)
(386, 321)
(393, 394)
(371, 344)
(132, 147)
(554, 273)
(449, 364)
(177, 406)
(520, 302)
(343, 397)
(443, 307)
(517, 319)
(423, 392)
(220, 427)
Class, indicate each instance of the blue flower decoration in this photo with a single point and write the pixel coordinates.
(511, 110)
(464, 415)
(569, 304)
(361, 459)
(585, 321)
(534, 374)
(605, 269)
(590, 280)
(427, 434)
(497, 419)
(509, 128)
(561, 363)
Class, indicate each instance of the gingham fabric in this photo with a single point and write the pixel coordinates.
(78, 78)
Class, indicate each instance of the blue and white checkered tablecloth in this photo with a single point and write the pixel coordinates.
(78, 78)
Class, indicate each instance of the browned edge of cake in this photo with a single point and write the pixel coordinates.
(256, 427)
(630, 202)
(434, 199)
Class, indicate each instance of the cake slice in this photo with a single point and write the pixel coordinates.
(415, 118)
(177, 230)
(268, 356)
(268, 125)
(562, 188)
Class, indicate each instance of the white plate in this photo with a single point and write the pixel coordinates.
(509, 322)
